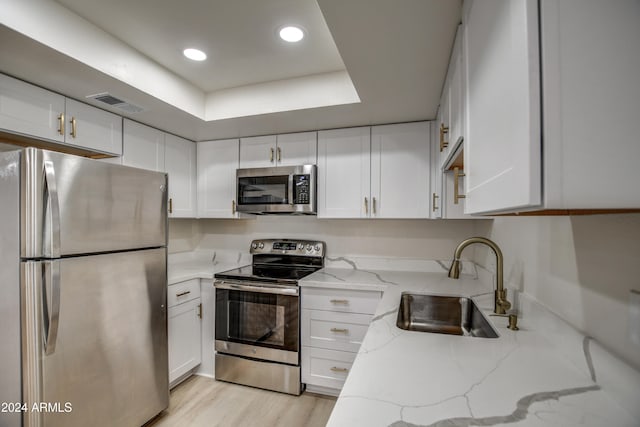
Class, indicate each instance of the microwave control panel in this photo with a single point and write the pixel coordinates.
(301, 189)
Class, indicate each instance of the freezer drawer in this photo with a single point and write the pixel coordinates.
(72, 205)
(95, 338)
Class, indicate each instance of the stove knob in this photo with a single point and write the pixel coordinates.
(317, 248)
(300, 246)
(254, 245)
(309, 247)
(261, 245)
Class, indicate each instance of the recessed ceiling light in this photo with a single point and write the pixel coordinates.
(291, 34)
(195, 54)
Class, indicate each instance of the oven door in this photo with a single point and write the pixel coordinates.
(258, 321)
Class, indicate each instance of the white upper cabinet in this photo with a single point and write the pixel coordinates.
(143, 146)
(180, 165)
(293, 149)
(217, 164)
(258, 151)
(278, 150)
(92, 128)
(581, 152)
(344, 173)
(400, 156)
(32, 111)
(502, 150)
(29, 110)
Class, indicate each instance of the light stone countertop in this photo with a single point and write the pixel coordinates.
(545, 374)
(202, 264)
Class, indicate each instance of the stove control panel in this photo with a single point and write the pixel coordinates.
(289, 247)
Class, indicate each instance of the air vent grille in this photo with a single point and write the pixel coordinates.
(115, 102)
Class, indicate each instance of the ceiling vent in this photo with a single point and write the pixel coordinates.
(114, 102)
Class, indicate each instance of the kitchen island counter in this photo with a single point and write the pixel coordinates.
(545, 374)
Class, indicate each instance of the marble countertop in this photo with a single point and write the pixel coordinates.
(202, 264)
(544, 374)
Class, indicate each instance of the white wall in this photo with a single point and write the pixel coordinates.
(582, 267)
(424, 239)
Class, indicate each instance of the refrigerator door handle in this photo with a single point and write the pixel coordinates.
(51, 305)
(51, 240)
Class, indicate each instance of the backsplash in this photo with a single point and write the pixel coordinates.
(583, 268)
(421, 239)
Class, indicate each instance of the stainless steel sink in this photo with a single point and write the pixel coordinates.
(443, 315)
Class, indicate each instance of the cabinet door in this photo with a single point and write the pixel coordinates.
(180, 164)
(344, 173)
(591, 70)
(93, 128)
(456, 94)
(143, 146)
(297, 149)
(436, 172)
(400, 156)
(30, 110)
(502, 154)
(258, 151)
(217, 164)
(184, 338)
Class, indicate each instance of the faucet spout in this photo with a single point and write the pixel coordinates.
(501, 305)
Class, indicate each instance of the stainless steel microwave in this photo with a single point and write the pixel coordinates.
(278, 190)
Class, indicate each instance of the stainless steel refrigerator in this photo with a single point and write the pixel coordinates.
(83, 282)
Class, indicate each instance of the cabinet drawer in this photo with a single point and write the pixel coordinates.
(343, 300)
(183, 292)
(325, 368)
(336, 331)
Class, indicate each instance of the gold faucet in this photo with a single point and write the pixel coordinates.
(501, 305)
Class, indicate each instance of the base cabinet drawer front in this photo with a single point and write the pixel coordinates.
(184, 330)
(336, 331)
(181, 292)
(326, 368)
(342, 300)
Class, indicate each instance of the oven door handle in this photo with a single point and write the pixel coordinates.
(219, 284)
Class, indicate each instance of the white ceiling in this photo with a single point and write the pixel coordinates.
(394, 53)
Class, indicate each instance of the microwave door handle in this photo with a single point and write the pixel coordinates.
(51, 240)
(291, 201)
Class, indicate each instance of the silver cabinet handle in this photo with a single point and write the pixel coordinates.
(340, 330)
(51, 313)
(373, 205)
(181, 294)
(233, 207)
(366, 205)
(51, 244)
(199, 310)
(279, 154)
(336, 369)
(339, 301)
(271, 154)
(433, 203)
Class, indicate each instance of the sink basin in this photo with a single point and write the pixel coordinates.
(443, 315)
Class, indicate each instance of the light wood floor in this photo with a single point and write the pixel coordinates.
(201, 401)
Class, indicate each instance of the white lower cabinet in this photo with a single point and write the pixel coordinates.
(334, 323)
(184, 329)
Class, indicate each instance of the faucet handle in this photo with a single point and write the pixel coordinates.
(513, 320)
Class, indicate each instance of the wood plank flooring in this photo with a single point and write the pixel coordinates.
(201, 401)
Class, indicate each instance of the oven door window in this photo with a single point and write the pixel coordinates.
(265, 190)
(266, 320)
